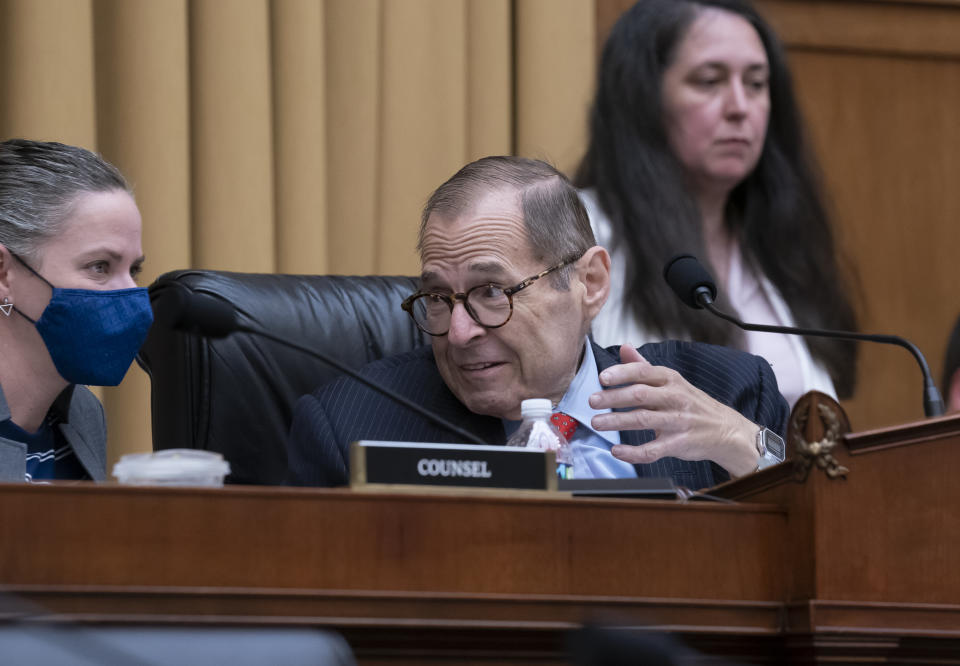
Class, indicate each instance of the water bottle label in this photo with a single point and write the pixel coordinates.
(564, 471)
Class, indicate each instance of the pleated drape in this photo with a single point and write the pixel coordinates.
(143, 126)
(298, 136)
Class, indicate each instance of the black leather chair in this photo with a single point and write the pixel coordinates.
(235, 395)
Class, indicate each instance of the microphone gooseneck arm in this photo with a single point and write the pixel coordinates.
(211, 316)
(353, 374)
(695, 287)
(932, 402)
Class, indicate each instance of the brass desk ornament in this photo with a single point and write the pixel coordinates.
(817, 422)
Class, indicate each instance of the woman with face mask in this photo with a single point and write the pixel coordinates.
(696, 146)
(70, 311)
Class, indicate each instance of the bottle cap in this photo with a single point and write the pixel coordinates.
(536, 407)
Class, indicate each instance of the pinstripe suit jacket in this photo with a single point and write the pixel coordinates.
(329, 419)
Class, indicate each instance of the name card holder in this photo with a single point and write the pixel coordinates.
(377, 464)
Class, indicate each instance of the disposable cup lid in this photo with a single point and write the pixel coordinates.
(171, 464)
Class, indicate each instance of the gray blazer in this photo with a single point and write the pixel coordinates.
(83, 425)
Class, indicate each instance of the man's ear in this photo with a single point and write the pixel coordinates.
(594, 272)
(953, 393)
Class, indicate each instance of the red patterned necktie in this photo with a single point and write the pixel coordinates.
(566, 424)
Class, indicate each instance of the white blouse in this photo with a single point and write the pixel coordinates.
(754, 297)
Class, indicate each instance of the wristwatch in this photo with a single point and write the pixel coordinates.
(770, 448)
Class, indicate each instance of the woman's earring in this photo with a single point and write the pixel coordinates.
(6, 306)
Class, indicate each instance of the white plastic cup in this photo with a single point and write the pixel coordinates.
(172, 467)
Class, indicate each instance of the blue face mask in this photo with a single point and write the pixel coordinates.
(92, 336)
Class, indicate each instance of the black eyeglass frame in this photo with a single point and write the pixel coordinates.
(452, 299)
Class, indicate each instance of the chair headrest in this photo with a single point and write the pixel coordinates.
(235, 395)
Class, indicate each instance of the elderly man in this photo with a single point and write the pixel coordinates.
(511, 279)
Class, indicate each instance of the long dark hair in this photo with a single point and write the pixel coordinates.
(777, 213)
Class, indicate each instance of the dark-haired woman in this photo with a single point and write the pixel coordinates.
(70, 311)
(696, 145)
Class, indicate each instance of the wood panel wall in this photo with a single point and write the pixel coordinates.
(879, 85)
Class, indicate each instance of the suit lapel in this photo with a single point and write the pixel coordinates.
(85, 452)
(72, 425)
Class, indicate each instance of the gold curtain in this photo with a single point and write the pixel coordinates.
(297, 136)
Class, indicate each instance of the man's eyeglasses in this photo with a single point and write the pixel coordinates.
(489, 305)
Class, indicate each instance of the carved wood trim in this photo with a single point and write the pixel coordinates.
(927, 29)
(139, 604)
(903, 435)
(898, 619)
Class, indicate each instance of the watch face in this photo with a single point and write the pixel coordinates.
(774, 444)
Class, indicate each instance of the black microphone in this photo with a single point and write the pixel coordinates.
(692, 283)
(214, 317)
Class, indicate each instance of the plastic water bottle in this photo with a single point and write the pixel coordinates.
(537, 432)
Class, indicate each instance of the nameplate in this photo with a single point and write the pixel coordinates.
(451, 465)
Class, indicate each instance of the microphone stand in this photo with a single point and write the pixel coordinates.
(932, 402)
(212, 316)
(353, 374)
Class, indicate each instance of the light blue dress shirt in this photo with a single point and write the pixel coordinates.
(591, 449)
